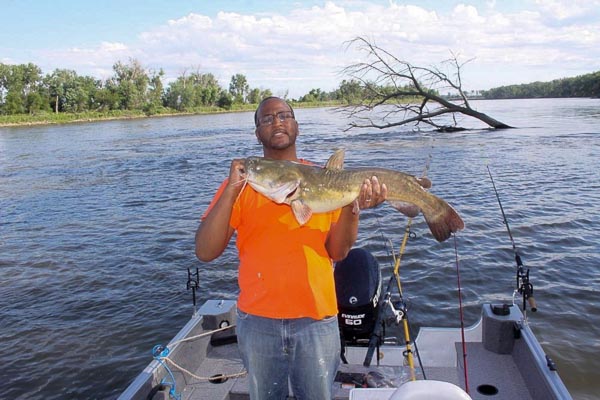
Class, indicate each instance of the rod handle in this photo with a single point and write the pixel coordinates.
(532, 304)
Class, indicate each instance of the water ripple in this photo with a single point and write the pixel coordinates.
(97, 232)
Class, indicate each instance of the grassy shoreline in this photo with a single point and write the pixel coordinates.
(69, 118)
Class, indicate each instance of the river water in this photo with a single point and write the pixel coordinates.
(97, 225)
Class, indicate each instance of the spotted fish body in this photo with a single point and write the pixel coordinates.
(310, 189)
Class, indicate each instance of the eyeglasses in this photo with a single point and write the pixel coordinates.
(281, 116)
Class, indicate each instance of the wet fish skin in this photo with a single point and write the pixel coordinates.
(311, 189)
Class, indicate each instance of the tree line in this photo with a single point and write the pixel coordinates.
(587, 85)
(25, 90)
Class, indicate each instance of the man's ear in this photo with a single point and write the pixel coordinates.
(257, 137)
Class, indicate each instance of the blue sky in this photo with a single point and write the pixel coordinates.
(291, 47)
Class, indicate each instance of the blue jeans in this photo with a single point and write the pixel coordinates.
(305, 350)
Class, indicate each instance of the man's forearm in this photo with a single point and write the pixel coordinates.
(343, 234)
(214, 231)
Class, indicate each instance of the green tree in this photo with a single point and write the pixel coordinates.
(90, 87)
(155, 93)
(317, 95)
(193, 90)
(56, 82)
(4, 78)
(21, 89)
(106, 98)
(177, 95)
(225, 100)
(69, 92)
(587, 85)
(256, 95)
(13, 103)
(206, 88)
(31, 76)
(266, 93)
(350, 91)
(130, 83)
(35, 102)
(239, 88)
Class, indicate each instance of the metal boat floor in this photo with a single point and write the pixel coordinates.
(504, 359)
(487, 370)
(221, 360)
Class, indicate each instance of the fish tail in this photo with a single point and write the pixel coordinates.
(445, 222)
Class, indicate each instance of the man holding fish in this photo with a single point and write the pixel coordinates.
(287, 324)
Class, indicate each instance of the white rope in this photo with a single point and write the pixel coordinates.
(202, 378)
(201, 335)
(205, 378)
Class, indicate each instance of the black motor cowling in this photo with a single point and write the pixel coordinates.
(358, 288)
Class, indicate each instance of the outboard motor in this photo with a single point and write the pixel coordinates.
(358, 290)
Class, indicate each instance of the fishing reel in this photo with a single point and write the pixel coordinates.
(193, 282)
(524, 287)
(398, 311)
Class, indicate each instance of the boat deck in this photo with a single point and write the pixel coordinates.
(486, 370)
(504, 362)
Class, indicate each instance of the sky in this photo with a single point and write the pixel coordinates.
(291, 47)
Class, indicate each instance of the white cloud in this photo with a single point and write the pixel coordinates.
(566, 9)
(303, 47)
(113, 47)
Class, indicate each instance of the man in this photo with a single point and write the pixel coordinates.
(286, 323)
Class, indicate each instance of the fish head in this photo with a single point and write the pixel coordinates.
(275, 179)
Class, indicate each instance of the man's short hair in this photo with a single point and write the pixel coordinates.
(265, 100)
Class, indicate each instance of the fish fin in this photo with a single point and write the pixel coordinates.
(280, 195)
(424, 182)
(336, 161)
(444, 223)
(408, 209)
(301, 211)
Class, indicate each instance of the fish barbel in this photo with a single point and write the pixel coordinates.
(311, 189)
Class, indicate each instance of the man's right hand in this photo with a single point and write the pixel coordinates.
(237, 176)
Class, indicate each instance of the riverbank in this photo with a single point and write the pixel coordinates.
(69, 118)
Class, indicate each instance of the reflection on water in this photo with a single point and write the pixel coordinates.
(97, 224)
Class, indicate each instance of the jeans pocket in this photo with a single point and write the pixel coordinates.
(326, 326)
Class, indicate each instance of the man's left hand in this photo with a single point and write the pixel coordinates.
(372, 193)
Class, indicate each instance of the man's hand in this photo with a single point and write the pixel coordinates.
(371, 193)
(237, 176)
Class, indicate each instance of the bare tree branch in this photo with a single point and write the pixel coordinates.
(408, 91)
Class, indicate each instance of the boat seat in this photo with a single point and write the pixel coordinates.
(429, 389)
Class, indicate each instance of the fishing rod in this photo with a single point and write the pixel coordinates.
(405, 326)
(462, 318)
(405, 323)
(400, 315)
(524, 287)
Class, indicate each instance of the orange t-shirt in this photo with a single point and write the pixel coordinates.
(285, 270)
